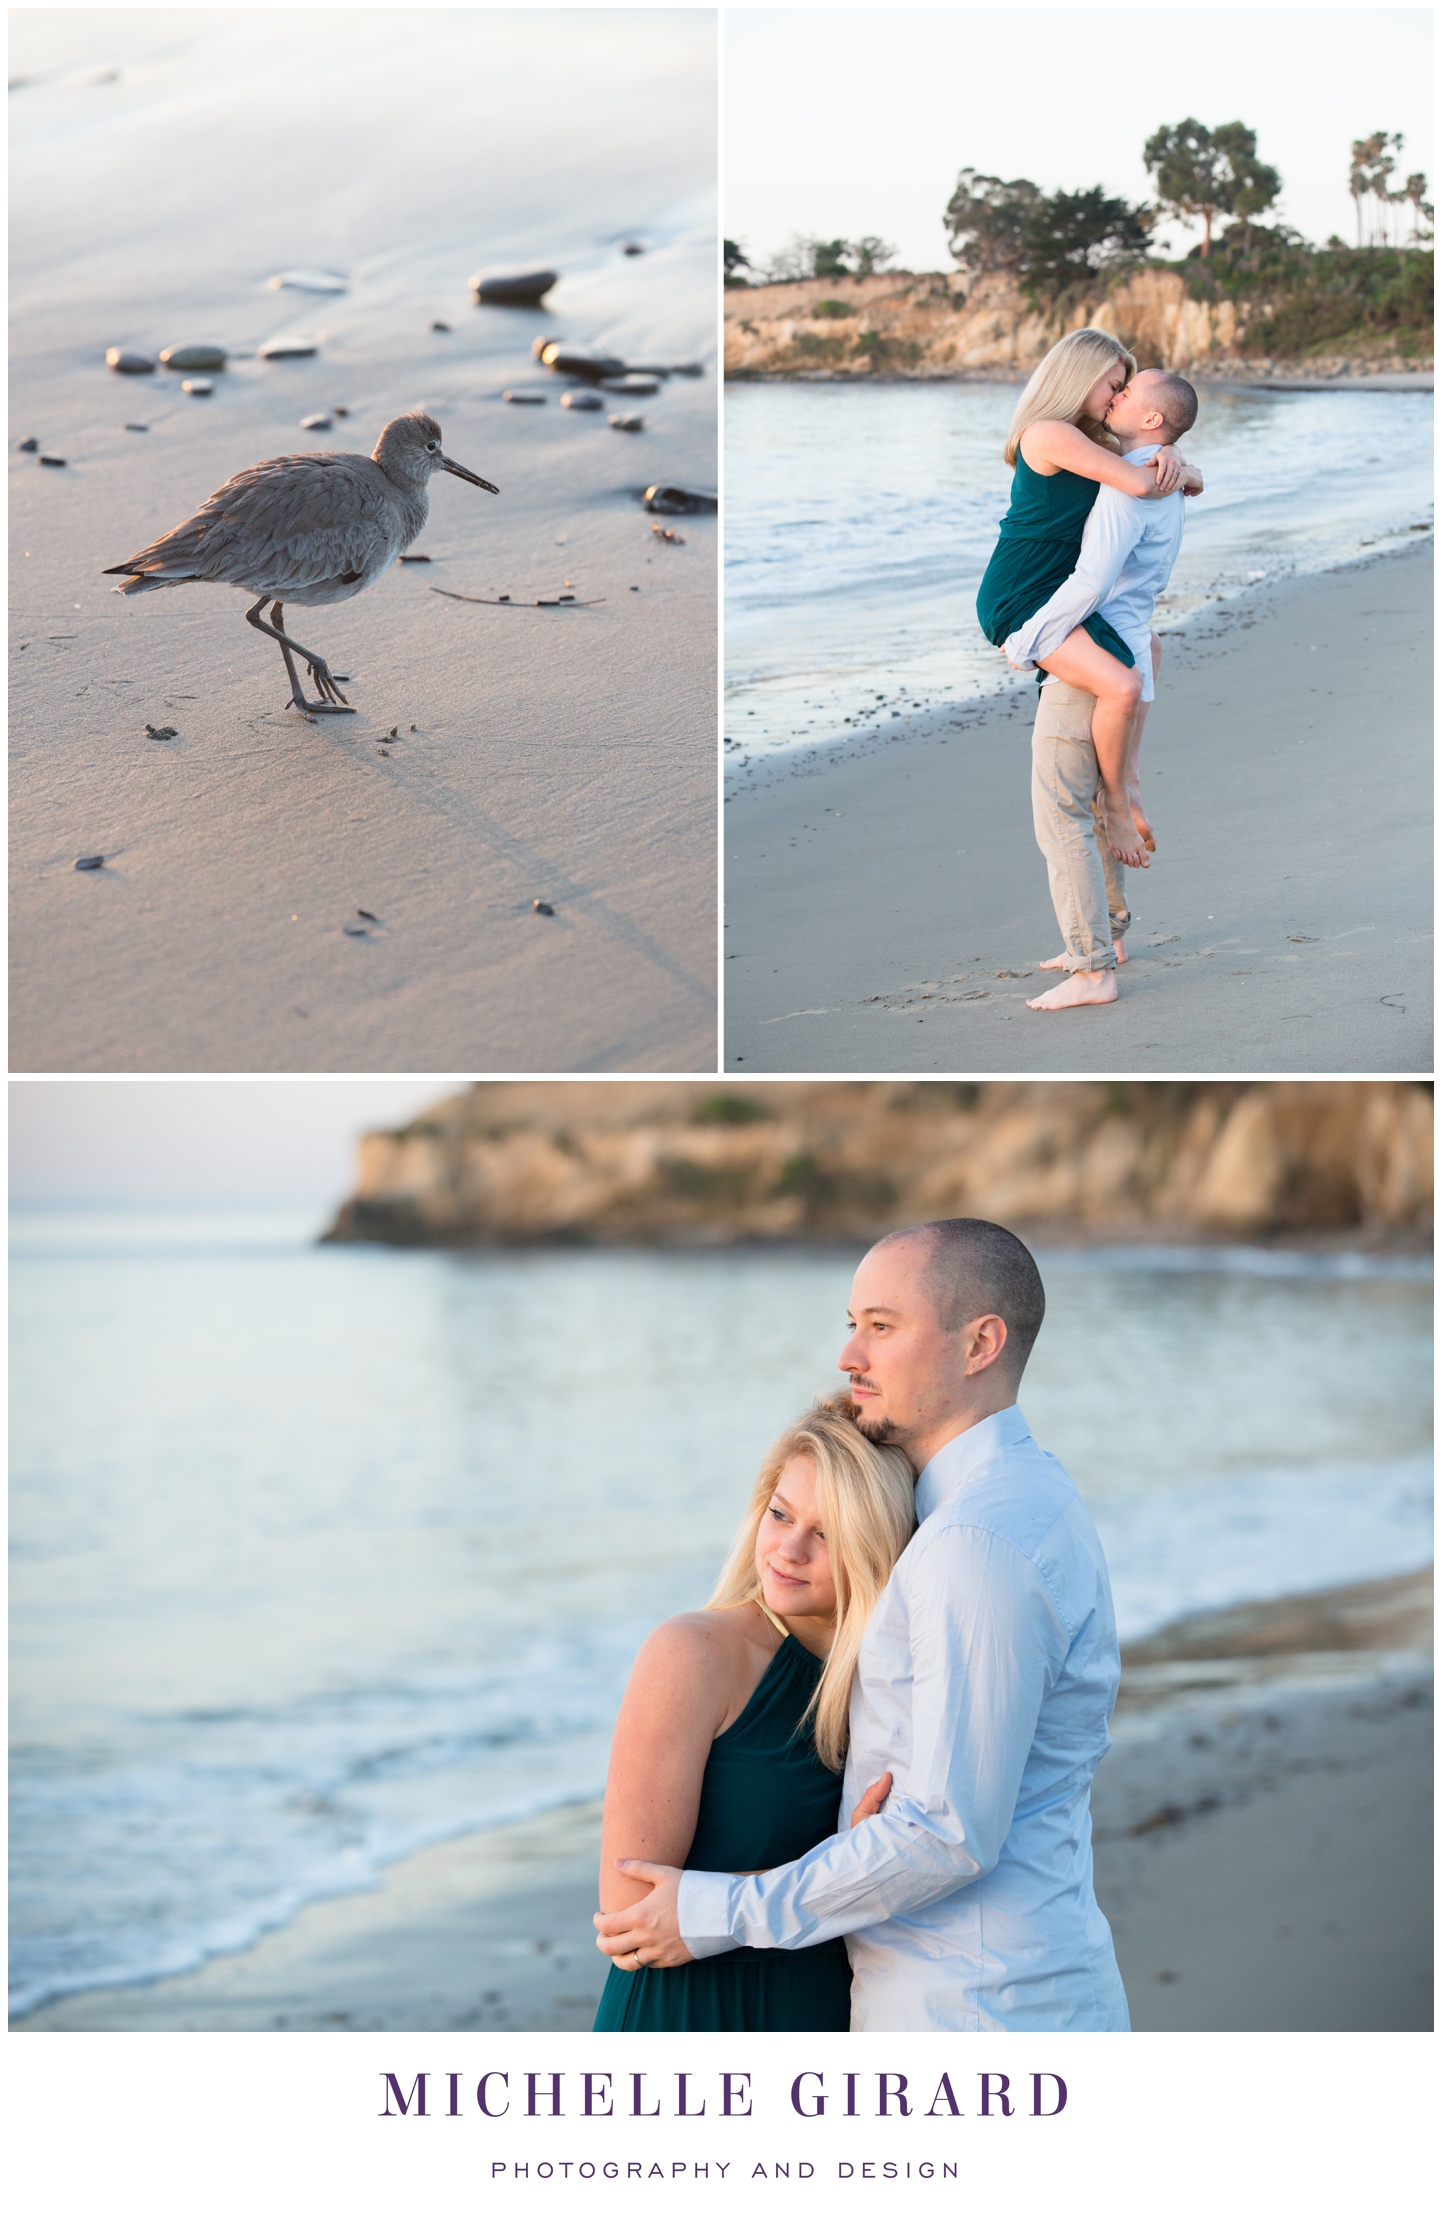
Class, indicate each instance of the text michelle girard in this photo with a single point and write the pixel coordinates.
(601, 2095)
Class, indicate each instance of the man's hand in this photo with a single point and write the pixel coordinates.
(648, 1934)
(872, 1799)
(1168, 465)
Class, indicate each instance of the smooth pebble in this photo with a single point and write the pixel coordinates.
(669, 499)
(128, 365)
(135, 426)
(525, 399)
(440, 326)
(91, 861)
(283, 349)
(539, 907)
(315, 422)
(525, 289)
(28, 446)
(308, 280)
(52, 461)
(585, 401)
(193, 357)
(632, 246)
(594, 367)
(632, 385)
(626, 422)
(199, 388)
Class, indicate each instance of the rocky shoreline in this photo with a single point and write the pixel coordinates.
(943, 327)
(677, 1163)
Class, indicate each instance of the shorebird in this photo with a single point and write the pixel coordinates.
(307, 529)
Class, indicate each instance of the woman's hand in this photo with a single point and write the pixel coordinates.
(1169, 466)
(872, 1799)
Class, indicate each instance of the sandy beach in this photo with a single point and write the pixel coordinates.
(1262, 1838)
(1283, 924)
(501, 754)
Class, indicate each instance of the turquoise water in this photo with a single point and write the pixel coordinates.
(322, 1553)
(860, 521)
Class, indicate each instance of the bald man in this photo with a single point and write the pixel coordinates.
(984, 1686)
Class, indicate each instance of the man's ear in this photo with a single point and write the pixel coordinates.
(987, 1337)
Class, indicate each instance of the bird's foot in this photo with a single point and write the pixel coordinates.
(326, 684)
(321, 707)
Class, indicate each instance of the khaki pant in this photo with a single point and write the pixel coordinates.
(1087, 890)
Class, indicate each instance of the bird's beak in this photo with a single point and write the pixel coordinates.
(457, 471)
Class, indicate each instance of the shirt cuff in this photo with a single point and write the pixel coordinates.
(1015, 651)
(703, 1913)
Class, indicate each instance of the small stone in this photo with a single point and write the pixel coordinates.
(52, 461)
(632, 246)
(91, 861)
(135, 426)
(413, 557)
(626, 422)
(315, 422)
(282, 349)
(166, 730)
(525, 289)
(669, 499)
(413, 726)
(525, 399)
(199, 388)
(308, 280)
(503, 597)
(394, 731)
(635, 587)
(633, 385)
(29, 446)
(128, 365)
(354, 930)
(592, 367)
(440, 326)
(539, 907)
(582, 401)
(688, 368)
(366, 916)
(341, 411)
(539, 345)
(193, 357)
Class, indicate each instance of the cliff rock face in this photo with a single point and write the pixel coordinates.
(696, 1164)
(945, 325)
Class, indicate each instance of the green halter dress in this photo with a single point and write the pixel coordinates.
(1040, 542)
(765, 1799)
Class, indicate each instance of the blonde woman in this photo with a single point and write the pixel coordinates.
(1061, 451)
(732, 1735)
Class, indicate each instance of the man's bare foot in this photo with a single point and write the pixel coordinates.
(1122, 834)
(1139, 817)
(1058, 960)
(1086, 988)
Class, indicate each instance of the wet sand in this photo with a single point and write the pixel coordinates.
(887, 907)
(562, 754)
(1263, 1851)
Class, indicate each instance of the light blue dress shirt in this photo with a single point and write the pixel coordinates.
(1127, 552)
(986, 1679)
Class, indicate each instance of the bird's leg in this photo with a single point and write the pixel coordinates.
(330, 702)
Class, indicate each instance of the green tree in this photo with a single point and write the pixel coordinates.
(1373, 161)
(1422, 211)
(983, 220)
(1203, 173)
(735, 261)
(830, 257)
(1069, 236)
(870, 255)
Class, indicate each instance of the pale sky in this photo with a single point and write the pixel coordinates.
(186, 1141)
(843, 121)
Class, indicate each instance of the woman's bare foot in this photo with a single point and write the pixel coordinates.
(1139, 817)
(1085, 988)
(1058, 960)
(1122, 834)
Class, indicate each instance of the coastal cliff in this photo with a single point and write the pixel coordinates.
(673, 1163)
(945, 325)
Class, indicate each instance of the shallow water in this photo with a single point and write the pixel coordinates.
(166, 165)
(860, 522)
(321, 1553)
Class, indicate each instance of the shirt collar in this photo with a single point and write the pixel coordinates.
(956, 1462)
(1141, 454)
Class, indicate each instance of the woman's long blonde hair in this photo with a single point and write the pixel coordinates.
(1058, 388)
(866, 1496)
